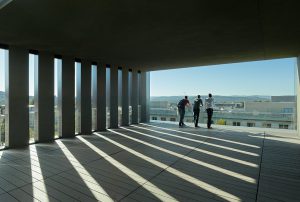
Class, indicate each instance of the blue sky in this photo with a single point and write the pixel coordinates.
(268, 77)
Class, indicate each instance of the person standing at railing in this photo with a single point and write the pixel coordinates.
(181, 109)
(196, 109)
(209, 104)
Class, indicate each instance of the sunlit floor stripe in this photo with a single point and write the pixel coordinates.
(157, 192)
(36, 193)
(98, 192)
(214, 138)
(199, 141)
(197, 149)
(188, 178)
(198, 162)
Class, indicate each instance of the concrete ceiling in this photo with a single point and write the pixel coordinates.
(155, 34)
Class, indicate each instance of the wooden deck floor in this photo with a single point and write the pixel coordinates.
(156, 162)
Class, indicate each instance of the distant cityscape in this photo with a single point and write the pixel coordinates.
(250, 111)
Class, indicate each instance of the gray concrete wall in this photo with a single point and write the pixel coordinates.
(17, 91)
(86, 110)
(134, 96)
(44, 97)
(125, 98)
(101, 97)
(145, 96)
(114, 97)
(66, 94)
(298, 94)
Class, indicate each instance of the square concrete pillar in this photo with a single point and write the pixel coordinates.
(66, 97)
(44, 97)
(17, 93)
(135, 96)
(101, 97)
(125, 97)
(86, 107)
(145, 96)
(114, 97)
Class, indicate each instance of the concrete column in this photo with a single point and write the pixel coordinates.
(134, 96)
(101, 97)
(86, 107)
(17, 91)
(66, 94)
(298, 95)
(114, 97)
(145, 96)
(44, 97)
(125, 98)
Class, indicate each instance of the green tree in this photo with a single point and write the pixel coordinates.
(221, 122)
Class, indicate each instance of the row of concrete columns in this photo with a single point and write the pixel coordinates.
(17, 115)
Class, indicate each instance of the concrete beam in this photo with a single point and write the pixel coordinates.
(44, 97)
(17, 90)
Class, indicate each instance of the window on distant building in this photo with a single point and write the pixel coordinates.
(283, 126)
(287, 110)
(250, 124)
(172, 119)
(267, 125)
(154, 118)
(163, 118)
(235, 123)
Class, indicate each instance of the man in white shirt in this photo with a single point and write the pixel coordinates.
(209, 104)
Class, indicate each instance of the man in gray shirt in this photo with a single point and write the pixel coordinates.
(196, 109)
(209, 104)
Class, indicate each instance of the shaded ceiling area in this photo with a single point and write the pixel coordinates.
(155, 34)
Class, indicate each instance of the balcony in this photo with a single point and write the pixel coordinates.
(157, 161)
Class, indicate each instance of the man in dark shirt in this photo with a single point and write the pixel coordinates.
(197, 104)
(181, 109)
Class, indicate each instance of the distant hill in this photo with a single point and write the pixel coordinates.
(2, 98)
(218, 98)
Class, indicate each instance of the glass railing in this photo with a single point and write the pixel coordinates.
(31, 124)
(94, 118)
(2, 130)
(119, 115)
(107, 117)
(130, 114)
(77, 121)
(56, 122)
(270, 114)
